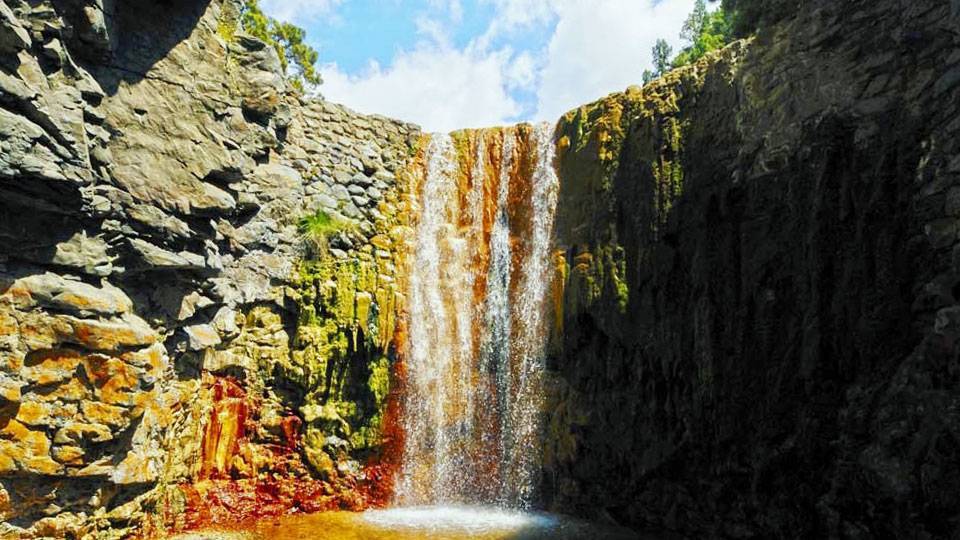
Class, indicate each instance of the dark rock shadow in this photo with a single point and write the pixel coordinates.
(141, 33)
(35, 216)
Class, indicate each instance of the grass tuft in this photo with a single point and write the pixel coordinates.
(316, 230)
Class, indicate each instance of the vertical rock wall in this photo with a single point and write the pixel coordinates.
(759, 311)
(167, 345)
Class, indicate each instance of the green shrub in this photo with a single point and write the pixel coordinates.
(316, 230)
(296, 57)
(705, 31)
(709, 32)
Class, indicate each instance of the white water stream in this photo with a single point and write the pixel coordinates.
(472, 411)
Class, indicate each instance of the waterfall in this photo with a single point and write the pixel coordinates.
(479, 275)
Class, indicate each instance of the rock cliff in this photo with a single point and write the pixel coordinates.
(160, 350)
(759, 317)
(757, 293)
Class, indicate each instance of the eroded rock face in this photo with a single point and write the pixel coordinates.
(758, 255)
(154, 166)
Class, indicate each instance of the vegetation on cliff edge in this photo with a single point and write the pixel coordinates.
(297, 58)
(746, 16)
(707, 31)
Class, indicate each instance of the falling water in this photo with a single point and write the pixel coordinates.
(527, 362)
(479, 279)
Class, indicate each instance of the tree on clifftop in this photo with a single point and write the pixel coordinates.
(661, 60)
(693, 26)
(661, 56)
(705, 32)
(747, 16)
(297, 58)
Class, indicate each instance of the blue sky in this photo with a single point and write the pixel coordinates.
(448, 64)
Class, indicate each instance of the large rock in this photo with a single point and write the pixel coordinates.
(13, 36)
(53, 291)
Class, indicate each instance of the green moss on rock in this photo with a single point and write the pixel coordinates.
(341, 358)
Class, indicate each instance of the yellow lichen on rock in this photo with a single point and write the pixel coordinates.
(349, 304)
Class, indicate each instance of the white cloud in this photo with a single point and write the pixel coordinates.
(433, 30)
(603, 46)
(513, 15)
(521, 74)
(435, 85)
(299, 11)
(596, 47)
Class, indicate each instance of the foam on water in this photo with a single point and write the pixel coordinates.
(466, 519)
(441, 522)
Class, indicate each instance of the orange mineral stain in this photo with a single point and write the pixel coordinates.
(466, 327)
(225, 427)
(241, 482)
(477, 290)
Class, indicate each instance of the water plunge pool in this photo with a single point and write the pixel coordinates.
(426, 523)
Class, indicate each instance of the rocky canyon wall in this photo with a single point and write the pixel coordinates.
(755, 291)
(168, 346)
(759, 317)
